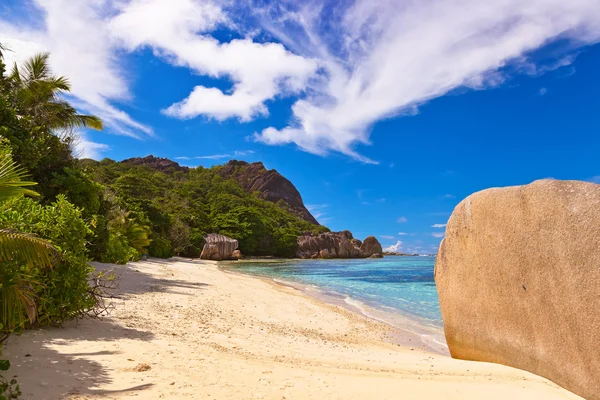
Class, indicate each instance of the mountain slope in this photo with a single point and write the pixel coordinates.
(271, 185)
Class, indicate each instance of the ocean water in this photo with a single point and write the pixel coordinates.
(396, 290)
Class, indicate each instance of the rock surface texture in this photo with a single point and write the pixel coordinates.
(271, 185)
(159, 164)
(518, 277)
(336, 245)
(219, 247)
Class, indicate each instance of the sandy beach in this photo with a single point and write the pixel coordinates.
(190, 330)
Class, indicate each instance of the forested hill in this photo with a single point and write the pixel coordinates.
(270, 184)
(180, 205)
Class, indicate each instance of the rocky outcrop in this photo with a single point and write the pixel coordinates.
(220, 247)
(518, 277)
(270, 184)
(159, 164)
(237, 255)
(371, 246)
(336, 245)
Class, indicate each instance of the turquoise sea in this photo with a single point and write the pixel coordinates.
(397, 290)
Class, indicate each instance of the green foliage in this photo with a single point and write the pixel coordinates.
(38, 94)
(118, 250)
(181, 207)
(20, 253)
(127, 239)
(160, 247)
(62, 291)
(126, 205)
(8, 389)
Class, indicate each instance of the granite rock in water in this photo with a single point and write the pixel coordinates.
(336, 245)
(518, 277)
(219, 247)
(371, 246)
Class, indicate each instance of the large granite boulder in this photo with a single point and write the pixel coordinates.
(371, 246)
(270, 184)
(518, 277)
(219, 247)
(336, 245)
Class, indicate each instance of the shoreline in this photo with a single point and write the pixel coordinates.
(428, 338)
(185, 329)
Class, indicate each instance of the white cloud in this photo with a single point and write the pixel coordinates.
(177, 31)
(75, 34)
(402, 233)
(543, 91)
(318, 211)
(236, 153)
(595, 179)
(401, 220)
(449, 196)
(84, 148)
(438, 234)
(365, 62)
(387, 57)
(387, 237)
(438, 225)
(395, 247)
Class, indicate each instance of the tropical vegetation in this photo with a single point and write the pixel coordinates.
(108, 211)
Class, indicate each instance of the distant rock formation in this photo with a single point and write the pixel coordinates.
(518, 277)
(271, 185)
(336, 245)
(160, 164)
(220, 247)
(371, 246)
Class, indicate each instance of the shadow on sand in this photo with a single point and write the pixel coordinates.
(46, 363)
(134, 281)
(45, 370)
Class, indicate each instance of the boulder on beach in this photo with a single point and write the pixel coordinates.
(336, 245)
(219, 247)
(371, 246)
(518, 277)
(237, 255)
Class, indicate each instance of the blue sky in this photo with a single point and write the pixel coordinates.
(383, 114)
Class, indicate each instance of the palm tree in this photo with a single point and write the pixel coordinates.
(19, 253)
(38, 94)
(135, 233)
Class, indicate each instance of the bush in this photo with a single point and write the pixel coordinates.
(63, 291)
(160, 247)
(118, 250)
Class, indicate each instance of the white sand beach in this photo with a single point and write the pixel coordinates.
(190, 330)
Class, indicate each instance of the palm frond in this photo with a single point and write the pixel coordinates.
(17, 299)
(15, 75)
(88, 121)
(12, 180)
(61, 115)
(36, 68)
(16, 246)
